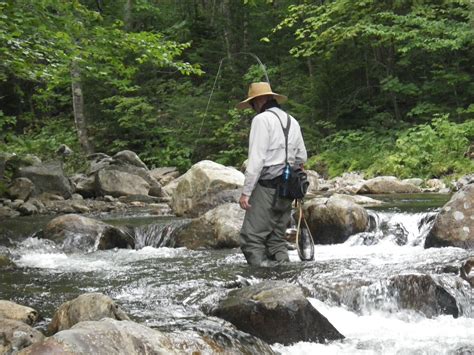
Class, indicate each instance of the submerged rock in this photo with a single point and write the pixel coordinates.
(86, 307)
(205, 186)
(14, 311)
(75, 232)
(335, 219)
(16, 335)
(454, 225)
(217, 228)
(109, 336)
(276, 312)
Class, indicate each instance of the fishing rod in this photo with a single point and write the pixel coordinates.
(262, 66)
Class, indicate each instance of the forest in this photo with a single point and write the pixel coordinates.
(380, 87)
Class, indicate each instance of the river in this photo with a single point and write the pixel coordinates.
(169, 288)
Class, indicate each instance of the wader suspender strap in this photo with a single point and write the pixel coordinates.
(286, 130)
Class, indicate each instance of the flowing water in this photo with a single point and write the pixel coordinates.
(169, 288)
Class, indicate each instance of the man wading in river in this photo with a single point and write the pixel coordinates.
(262, 237)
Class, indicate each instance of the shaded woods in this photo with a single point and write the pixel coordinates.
(383, 87)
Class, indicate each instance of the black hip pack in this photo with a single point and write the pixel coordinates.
(296, 185)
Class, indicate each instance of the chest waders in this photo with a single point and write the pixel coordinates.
(304, 239)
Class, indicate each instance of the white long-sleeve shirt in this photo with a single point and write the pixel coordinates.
(266, 157)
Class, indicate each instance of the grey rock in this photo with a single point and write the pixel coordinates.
(118, 183)
(110, 336)
(84, 185)
(276, 312)
(14, 311)
(129, 157)
(335, 219)
(74, 232)
(387, 185)
(27, 209)
(47, 177)
(7, 212)
(205, 186)
(16, 335)
(86, 307)
(20, 188)
(217, 228)
(454, 224)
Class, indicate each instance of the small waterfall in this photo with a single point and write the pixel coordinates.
(156, 234)
(395, 227)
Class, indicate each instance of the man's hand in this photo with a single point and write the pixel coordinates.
(244, 202)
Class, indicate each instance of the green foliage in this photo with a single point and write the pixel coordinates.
(364, 79)
(430, 150)
(434, 149)
(234, 132)
(352, 151)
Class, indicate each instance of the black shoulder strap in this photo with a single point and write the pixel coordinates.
(286, 131)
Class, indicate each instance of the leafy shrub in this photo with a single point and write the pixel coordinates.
(434, 149)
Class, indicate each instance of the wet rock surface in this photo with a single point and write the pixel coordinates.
(217, 228)
(454, 225)
(86, 307)
(333, 220)
(74, 232)
(276, 312)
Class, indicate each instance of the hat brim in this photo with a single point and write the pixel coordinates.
(246, 103)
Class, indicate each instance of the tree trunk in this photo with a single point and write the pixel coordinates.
(78, 107)
(226, 30)
(127, 15)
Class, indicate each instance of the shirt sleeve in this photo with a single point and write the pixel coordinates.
(258, 145)
(301, 154)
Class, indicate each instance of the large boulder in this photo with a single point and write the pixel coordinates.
(217, 228)
(276, 312)
(387, 185)
(16, 335)
(109, 336)
(335, 219)
(47, 177)
(205, 186)
(74, 232)
(86, 307)
(20, 188)
(14, 311)
(454, 224)
(119, 183)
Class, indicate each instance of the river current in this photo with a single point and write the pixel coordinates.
(168, 288)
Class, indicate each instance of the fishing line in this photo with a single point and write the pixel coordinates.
(262, 66)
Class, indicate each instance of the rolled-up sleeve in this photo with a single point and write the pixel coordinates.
(258, 145)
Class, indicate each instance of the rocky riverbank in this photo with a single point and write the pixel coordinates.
(208, 194)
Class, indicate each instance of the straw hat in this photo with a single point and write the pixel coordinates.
(260, 89)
